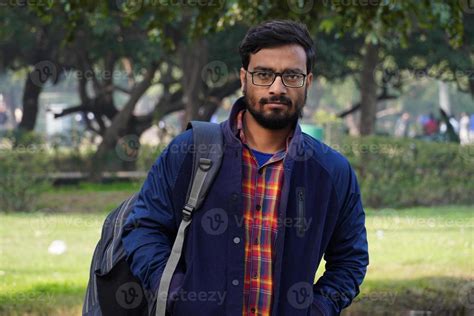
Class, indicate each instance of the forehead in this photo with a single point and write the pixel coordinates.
(279, 58)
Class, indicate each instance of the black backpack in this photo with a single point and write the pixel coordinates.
(112, 288)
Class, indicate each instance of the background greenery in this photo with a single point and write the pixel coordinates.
(392, 172)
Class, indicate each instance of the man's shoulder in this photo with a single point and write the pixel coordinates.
(180, 144)
(326, 156)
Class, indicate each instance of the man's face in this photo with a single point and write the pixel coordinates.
(276, 106)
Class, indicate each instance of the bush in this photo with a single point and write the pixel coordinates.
(23, 176)
(401, 172)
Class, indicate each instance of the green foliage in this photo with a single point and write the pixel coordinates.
(22, 178)
(395, 173)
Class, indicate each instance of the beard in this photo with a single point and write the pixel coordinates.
(277, 119)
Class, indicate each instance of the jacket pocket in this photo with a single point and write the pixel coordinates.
(300, 209)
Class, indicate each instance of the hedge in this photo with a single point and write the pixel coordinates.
(392, 172)
(406, 172)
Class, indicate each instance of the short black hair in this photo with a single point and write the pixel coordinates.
(277, 33)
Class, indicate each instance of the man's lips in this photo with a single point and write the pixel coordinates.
(276, 104)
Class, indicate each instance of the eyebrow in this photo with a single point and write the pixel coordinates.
(288, 70)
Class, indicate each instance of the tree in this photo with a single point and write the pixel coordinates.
(381, 25)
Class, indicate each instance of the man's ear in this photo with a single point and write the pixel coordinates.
(243, 74)
(309, 79)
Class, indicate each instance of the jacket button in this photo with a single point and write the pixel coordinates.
(235, 282)
(234, 196)
(236, 240)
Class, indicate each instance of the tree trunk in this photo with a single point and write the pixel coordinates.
(31, 94)
(119, 126)
(471, 86)
(194, 58)
(368, 90)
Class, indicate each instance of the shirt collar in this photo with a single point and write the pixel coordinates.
(241, 135)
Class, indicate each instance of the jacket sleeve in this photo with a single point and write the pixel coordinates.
(151, 228)
(347, 253)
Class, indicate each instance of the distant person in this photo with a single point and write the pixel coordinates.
(471, 128)
(3, 114)
(464, 123)
(402, 126)
(431, 126)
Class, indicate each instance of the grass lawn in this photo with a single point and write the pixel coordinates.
(420, 258)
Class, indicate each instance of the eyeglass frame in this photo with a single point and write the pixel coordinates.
(277, 74)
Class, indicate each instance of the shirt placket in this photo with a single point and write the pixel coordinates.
(256, 229)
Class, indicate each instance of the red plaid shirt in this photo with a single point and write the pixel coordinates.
(261, 187)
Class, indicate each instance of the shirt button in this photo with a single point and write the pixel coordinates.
(260, 171)
(255, 275)
(236, 240)
(256, 241)
(235, 282)
(258, 207)
(252, 310)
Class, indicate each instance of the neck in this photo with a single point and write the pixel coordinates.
(263, 139)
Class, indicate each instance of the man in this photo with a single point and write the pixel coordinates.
(283, 198)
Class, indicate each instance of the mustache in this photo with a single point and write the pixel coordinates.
(276, 99)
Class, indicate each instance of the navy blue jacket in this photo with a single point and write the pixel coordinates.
(320, 214)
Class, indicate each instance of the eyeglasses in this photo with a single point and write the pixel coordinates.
(267, 78)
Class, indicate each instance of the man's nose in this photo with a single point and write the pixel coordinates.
(277, 86)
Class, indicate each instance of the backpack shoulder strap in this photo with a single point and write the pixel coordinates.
(207, 158)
